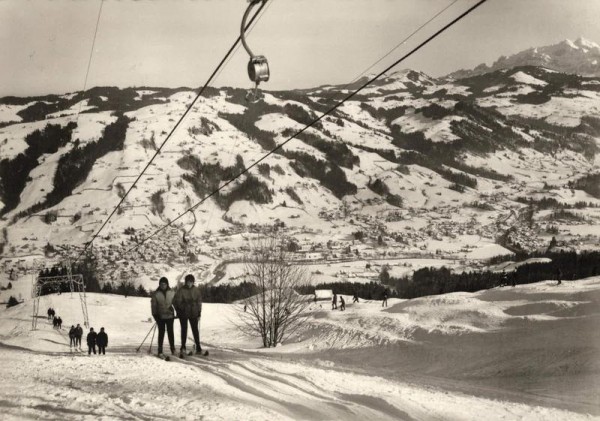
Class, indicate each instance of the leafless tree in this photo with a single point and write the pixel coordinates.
(277, 310)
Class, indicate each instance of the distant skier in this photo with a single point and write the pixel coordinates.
(504, 280)
(558, 276)
(342, 304)
(385, 297)
(59, 322)
(334, 302)
(49, 313)
(72, 336)
(91, 341)
(513, 279)
(188, 304)
(102, 341)
(78, 336)
(162, 310)
(55, 322)
(355, 298)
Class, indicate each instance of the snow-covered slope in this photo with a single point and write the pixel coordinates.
(528, 352)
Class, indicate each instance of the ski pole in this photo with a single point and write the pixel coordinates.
(146, 337)
(152, 340)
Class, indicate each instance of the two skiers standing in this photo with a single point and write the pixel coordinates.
(57, 322)
(97, 339)
(163, 313)
(51, 313)
(187, 302)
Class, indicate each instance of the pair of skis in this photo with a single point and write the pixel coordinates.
(183, 356)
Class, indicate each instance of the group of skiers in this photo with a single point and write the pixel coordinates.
(186, 305)
(511, 279)
(99, 339)
(94, 339)
(56, 320)
(75, 334)
(334, 301)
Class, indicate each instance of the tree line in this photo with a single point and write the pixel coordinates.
(433, 281)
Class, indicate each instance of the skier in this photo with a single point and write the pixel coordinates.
(188, 304)
(504, 280)
(72, 336)
(334, 302)
(342, 304)
(102, 341)
(558, 275)
(55, 322)
(513, 279)
(91, 341)
(59, 322)
(78, 335)
(163, 313)
(355, 298)
(385, 297)
(49, 313)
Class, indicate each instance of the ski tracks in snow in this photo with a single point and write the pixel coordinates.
(293, 394)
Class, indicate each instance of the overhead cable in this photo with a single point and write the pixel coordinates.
(189, 108)
(315, 121)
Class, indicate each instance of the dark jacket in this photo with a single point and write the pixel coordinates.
(72, 333)
(102, 339)
(162, 304)
(188, 302)
(91, 338)
(78, 332)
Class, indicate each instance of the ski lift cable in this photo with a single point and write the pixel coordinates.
(315, 121)
(89, 64)
(413, 33)
(233, 146)
(249, 29)
(189, 108)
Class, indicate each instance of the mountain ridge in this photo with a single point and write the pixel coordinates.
(580, 57)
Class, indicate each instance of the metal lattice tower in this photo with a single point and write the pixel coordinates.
(75, 282)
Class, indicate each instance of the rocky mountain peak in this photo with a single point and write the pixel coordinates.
(581, 57)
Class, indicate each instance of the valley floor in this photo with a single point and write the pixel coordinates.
(529, 352)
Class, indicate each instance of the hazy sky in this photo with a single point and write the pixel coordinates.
(45, 44)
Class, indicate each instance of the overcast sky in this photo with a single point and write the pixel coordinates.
(45, 44)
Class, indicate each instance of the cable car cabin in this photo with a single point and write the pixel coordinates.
(258, 69)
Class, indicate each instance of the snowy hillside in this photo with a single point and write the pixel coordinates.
(523, 353)
(411, 167)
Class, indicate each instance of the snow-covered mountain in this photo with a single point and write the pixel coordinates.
(580, 57)
(418, 161)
